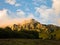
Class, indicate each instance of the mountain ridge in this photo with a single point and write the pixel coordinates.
(33, 25)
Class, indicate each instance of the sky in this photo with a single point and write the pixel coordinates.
(15, 11)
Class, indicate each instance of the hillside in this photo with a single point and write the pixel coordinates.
(31, 29)
(33, 24)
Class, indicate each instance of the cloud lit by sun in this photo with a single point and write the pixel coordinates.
(15, 11)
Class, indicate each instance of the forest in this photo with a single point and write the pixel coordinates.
(31, 30)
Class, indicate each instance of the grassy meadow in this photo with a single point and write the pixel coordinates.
(28, 42)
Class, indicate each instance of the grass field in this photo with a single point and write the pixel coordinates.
(28, 42)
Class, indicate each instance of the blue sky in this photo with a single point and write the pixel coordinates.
(24, 4)
(44, 11)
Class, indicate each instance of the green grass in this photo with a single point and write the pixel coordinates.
(28, 42)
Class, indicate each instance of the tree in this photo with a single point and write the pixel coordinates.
(31, 26)
(39, 26)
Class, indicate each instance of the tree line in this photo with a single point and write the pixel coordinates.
(32, 30)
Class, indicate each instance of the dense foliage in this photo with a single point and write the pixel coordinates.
(31, 30)
(9, 33)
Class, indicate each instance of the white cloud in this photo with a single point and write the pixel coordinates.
(20, 13)
(35, 2)
(17, 4)
(44, 13)
(3, 16)
(3, 13)
(56, 6)
(50, 14)
(31, 16)
(13, 2)
(6, 20)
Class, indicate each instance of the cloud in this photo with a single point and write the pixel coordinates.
(12, 2)
(50, 15)
(47, 15)
(3, 13)
(20, 13)
(17, 4)
(44, 13)
(6, 20)
(30, 16)
(3, 16)
(56, 6)
(38, 2)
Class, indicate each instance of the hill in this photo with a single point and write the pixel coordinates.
(31, 29)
